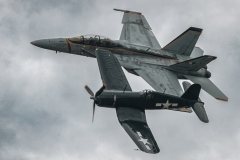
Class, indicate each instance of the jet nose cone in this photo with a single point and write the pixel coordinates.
(55, 44)
(34, 43)
(43, 43)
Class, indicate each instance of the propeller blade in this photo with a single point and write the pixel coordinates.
(100, 90)
(93, 111)
(89, 90)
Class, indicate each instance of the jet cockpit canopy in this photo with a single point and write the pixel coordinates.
(94, 40)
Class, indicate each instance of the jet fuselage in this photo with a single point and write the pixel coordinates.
(130, 56)
(87, 46)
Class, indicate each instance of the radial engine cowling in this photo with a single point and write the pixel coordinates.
(201, 73)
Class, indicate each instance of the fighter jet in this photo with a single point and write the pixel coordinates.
(139, 52)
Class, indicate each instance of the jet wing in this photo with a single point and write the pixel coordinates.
(133, 120)
(136, 30)
(162, 80)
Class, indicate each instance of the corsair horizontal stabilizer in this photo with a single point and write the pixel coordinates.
(184, 43)
(208, 86)
(198, 107)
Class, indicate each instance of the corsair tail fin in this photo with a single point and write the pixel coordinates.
(184, 43)
(198, 107)
(192, 93)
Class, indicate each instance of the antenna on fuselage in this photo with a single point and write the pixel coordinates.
(124, 88)
(164, 90)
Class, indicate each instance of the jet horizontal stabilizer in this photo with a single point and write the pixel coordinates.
(208, 86)
(192, 64)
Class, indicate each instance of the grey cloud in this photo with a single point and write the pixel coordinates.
(46, 114)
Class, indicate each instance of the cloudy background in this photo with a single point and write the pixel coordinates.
(45, 113)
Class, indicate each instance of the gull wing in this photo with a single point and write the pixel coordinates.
(136, 30)
(112, 74)
(162, 80)
(133, 120)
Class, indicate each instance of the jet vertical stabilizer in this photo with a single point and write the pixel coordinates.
(197, 52)
(198, 107)
(185, 43)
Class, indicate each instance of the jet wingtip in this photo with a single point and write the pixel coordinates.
(195, 29)
(222, 99)
(211, 57)
(127, 11)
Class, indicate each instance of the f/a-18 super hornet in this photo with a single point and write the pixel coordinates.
(139, 52)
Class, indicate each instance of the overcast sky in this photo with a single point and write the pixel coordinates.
(45, 113)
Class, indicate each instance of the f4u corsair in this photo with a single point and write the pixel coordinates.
(139, 52)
